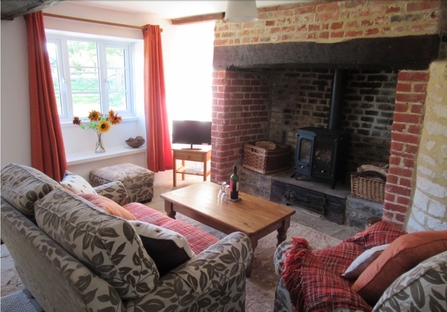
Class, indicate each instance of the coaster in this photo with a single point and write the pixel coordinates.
(234, 200)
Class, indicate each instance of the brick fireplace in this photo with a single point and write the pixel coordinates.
(274, 76)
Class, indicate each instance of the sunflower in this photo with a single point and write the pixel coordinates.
(111, 113)
(103, 126)
(94, 115)
(114, 118)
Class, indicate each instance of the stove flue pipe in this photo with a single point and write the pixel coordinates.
(336, 106)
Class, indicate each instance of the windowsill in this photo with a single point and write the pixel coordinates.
(81, 158)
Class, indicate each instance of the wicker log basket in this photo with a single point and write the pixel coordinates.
(369, 182)
(266, 156)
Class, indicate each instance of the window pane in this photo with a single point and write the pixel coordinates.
(82, 54)
(116, 79)
(84, 79)
(115, 57)
(117, 101)
(58, 102)
(54, 74)
(84, 103)
(53, 55)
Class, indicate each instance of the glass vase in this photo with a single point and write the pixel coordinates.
(99, 147)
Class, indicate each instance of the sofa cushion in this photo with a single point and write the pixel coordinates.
(423, 287)
(108, 205)
(22, 186)
(167, 248)
(403, 254)
(363, 261)
(76, 184)
(198, 240)
(107, 245)
(312, 285)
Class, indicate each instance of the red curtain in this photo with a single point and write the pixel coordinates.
(47, 143)
(159, 151)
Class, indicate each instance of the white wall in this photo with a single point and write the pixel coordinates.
(15, 115)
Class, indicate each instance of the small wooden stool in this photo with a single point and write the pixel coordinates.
(137, 180)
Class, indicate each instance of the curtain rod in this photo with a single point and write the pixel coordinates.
(94, 21)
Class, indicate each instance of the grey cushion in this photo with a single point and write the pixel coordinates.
(107, 245)
(423, 288)
(22, 186)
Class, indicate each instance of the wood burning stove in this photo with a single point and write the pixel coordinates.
(322, 153)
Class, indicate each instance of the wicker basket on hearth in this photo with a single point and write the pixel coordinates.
(369, 182)
(266, 157)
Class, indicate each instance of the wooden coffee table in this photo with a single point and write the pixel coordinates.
(252, 215)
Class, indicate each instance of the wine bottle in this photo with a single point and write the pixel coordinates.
(234, 184)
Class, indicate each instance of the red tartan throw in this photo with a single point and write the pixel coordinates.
(198, 240)
(338, 258)
(314, 287)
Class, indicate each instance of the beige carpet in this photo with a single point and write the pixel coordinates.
(262, 283)
(260, 286)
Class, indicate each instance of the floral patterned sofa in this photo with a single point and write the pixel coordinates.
(382, 268)
(72, 254)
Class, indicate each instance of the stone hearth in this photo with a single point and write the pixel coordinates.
(340, 206)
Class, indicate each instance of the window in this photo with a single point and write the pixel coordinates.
(90, 74)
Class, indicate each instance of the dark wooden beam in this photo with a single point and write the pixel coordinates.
(13, 8)
(409, 52)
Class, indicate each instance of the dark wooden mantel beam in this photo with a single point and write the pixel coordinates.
(409, 52)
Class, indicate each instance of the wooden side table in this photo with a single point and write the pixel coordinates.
(203, 155)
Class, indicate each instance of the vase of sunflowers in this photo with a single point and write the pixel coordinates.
(100, 124)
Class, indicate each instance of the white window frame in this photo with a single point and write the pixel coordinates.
(60, 40)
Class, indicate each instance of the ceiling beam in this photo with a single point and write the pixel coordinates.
(11, 9)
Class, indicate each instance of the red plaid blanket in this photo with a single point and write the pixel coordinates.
(313, 279)
(340, 257)
(198, 240)
(314, 287)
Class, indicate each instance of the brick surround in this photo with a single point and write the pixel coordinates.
(239, 115)
(255, 105)
(406, 136)
(336, 21)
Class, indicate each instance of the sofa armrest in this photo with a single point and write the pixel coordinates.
(114, 190)
(212, 280)
(279, 255)
(57, 280)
